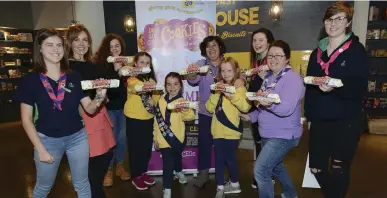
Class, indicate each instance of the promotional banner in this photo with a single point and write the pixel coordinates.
(171, 32)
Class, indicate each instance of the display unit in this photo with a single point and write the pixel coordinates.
(16, 48)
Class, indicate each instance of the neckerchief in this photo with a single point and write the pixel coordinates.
(258, 63)
(266, 86)
(222, 118)
(58, 98)
(165, 126)
(167, 111)
(325, 66)
(213, 73)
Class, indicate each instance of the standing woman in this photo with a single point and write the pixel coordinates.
(98, 126)
(279, 124)
(212, 49)
(261, 40)
(113, 45)
(336, 114)
(55, 92)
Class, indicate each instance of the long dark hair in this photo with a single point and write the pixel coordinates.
(104, 49)
(178, 77)
(39, 64)
(144, 77)
(270, 40)
(72, 33)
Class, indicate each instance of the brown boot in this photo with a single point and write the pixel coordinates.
(121, 172)
(108, 181)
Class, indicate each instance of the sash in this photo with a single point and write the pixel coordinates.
(58, 98)
(325, 65)
(144, 99)
(222, 118)
(165, 127)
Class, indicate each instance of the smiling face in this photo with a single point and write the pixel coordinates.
(228, 72)
(212, 50)
(115, 47)
(52, 50)
(276, 59)
(260, 43)
(336, 25)
(173, 86)
(143, 61)
(80, 45)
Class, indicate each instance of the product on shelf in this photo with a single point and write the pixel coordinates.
(148, 88)
(194, 70)
(183, 105)
(371, 86)
(383, 87)
(270, 97)
(119, 59)
(333, 82)
(14, 73)
(100, 83)
(223, 87)
(133, 71)
(3, 86)
(25, 37)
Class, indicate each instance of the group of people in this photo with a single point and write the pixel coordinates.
(94, 126)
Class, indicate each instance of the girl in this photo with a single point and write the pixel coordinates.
(56, 94)
(139, 109)
(98, 126)
(226, 126)
(336, 115)
(212, 48)
(261, 39)
(113, 45)
(169, 133)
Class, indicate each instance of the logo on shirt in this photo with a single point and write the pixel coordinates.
(343, 64)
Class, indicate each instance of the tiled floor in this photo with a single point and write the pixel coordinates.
(17, 172)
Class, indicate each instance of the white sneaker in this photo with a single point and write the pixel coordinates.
(167, 193)
(220, 193)
(182, 178)
(230, 189)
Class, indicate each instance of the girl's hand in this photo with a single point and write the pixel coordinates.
(45, 157)
(228, 95)
(265, 103)
(244, 117)
(239, 83)
(117, 66)
(156, 145)
(150, 101)
(325, 88)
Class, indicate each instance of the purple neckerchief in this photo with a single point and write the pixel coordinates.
(266, 87)
(213, 73)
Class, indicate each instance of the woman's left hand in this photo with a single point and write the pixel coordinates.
(101, 92)
(325, 88)
(265, 103)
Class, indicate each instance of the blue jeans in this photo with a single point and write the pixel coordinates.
(269, 163)
(76, 147)
(119, 131)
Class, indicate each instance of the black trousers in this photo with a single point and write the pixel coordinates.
(139, 135)
(98, 167)
(257, 138)
(330, 141)
(171, 162)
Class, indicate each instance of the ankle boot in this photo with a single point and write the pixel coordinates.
(202, 178)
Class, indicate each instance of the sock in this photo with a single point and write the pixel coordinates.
(236, 184)
(220, 187)
(167, 190)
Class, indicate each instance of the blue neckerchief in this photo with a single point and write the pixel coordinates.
(167, 111)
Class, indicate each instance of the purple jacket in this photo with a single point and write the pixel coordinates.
(204, 82)
(282, 120)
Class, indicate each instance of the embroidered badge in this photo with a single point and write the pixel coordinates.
(71, 85)
(343, 64)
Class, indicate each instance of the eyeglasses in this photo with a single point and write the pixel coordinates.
(337, 20)
(277, 57)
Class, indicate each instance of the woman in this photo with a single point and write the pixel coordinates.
(212, 49)
(98, 126)
(113, 45)
(139, 112)
(279, 124)
(261, 40)
(56, 93)
(336, 114)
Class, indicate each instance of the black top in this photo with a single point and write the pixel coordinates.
(117, 96)
(88, 71)
(341, 103)
(53, 122)
(255, 85)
